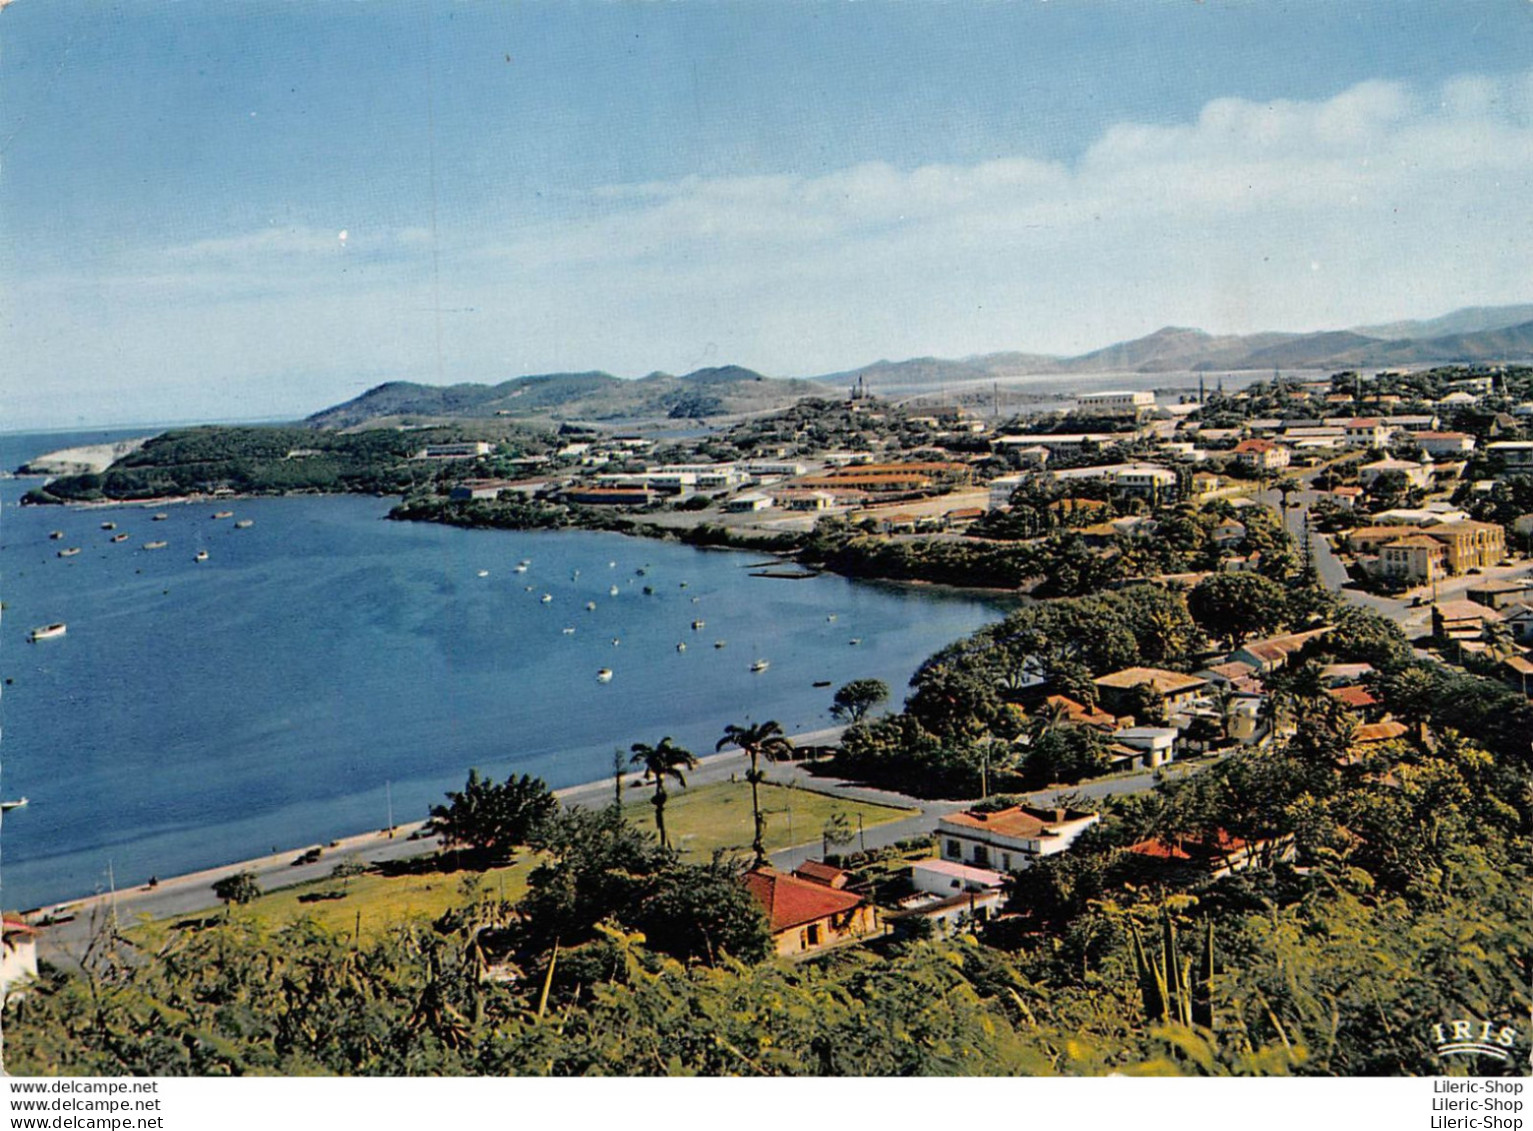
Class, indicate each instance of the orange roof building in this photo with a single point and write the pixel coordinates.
(1211, 856)
(1009, 840)
(805, 916)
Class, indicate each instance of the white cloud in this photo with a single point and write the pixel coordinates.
(1381, 202)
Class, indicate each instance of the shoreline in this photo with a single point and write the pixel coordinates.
(185, 884)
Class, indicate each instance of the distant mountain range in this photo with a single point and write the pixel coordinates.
(1474, 334)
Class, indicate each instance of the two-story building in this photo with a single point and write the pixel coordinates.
(1262, 455)
(1010, 839)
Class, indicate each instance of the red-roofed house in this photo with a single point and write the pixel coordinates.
(819, 872)
(1080, 713)
(1261, 455)
(1274, 652)
(1213, 856)
(803, 916)
(1355, 697)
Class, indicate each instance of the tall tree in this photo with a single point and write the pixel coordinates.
(492, 819)
(759, 740)
(854, 700)
(663, 760)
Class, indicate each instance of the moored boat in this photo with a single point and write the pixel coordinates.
(69, 553)
(244, 524)
(48, 631)
(223, 514)
(547, 598)
(604, 675)
(7, 806)
(202, 556)
(123, 537)
(56, 535)
(108, 526)
(155, 545)
(697, 625)
(761, 665)
(161, 517)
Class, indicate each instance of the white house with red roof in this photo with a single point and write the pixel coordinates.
(1009, 840)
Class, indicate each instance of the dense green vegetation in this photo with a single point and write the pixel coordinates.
(1411, 908)
(278, 460)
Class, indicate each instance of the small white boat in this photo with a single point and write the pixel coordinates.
(612, 565)
(569, 632)
(525, 562)
(69, 553)
(854, 641)
(155, 545)
(590, 606)
(161, 517)
(244, 524)
(830, 616)
(680, 647)
(604, 675)
(223, 514)
(483, 573)
(547, 598)
(7, 806)
(123, 537)
(761, 665)
(718, 644)
(56, 535)
(108, 526)
(202, 556)
(612, 592)
(697, 625)
(526, 588)
(520, 569)
(48, 631)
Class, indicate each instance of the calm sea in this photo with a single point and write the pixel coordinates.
(202, 712)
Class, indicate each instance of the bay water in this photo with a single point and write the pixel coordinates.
(323, 661)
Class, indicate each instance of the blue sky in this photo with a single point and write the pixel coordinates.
(796, 187)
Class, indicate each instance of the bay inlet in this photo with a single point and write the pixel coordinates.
(201, 712)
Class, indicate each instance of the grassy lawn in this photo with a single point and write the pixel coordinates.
(382, 901)
(719, 816)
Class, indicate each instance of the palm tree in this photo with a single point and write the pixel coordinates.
(664, 759)
(758, 741)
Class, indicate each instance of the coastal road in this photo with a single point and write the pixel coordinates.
(65, 942)
(75, 922)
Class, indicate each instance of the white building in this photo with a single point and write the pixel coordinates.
(1010, 839)
(1156, 744)
(1416, 474)
(747, 504)
(1116, 403)
(1513, 453)
(1437, 444)
(18, 957)
(470, 450)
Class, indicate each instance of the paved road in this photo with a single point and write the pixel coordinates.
(1415, 620)
(189, 895)
(924, 823)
